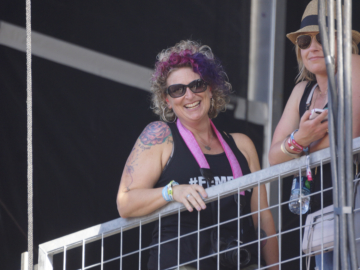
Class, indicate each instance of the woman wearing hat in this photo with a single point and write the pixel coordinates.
(310, 92)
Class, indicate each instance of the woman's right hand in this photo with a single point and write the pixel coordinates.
(308, 130)
(191, 196)
(311, 130)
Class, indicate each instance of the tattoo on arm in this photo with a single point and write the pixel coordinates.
(154, 133)
(129, 166)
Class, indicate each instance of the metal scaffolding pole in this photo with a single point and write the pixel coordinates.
(340, 120)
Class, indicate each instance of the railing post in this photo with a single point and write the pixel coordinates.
(45, 261)
(24, 260)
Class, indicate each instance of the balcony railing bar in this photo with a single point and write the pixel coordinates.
(322, 213)
(202, 258)
(300, 230)
(214, 193)
(121, 247)
(140, 237)
(258, 223)
(159, 240)
(279, 219)
(316, 252)
(238, 226)
(64, 259)
(205, 257)
(178, 251)
(102, 251)
(83, 254)
(90, 266)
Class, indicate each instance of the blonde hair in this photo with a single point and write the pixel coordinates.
(304, 73)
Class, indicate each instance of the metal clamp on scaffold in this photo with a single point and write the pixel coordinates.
(342, 210)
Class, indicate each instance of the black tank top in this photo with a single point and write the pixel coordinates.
(327, 182)
(183, 168)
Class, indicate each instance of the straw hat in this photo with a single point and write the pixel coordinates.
(309, 23)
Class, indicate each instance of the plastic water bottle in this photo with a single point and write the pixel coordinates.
(301, 199)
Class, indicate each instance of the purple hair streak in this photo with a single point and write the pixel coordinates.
(209, 69)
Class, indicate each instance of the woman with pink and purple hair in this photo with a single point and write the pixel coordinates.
(177, 158)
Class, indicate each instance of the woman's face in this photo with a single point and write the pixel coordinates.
(313, 56)
(191, 107)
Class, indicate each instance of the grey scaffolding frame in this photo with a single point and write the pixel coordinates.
(340, 121)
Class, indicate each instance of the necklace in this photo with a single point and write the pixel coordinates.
(207, 146)
(320, 94)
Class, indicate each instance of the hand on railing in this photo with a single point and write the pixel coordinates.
(191, 196)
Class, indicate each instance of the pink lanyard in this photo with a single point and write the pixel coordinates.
(199, 155)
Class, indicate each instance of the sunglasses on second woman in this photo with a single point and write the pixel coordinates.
(178, 90)
(304, 41)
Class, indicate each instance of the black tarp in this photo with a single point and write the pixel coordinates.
(83, 125)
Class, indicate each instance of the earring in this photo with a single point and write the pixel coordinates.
(165, 119)
(212, 102)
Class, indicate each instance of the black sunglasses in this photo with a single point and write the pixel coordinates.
(178, 90)
(304, 41)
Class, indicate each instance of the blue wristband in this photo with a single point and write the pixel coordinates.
(165, 194)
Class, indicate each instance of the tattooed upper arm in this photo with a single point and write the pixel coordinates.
(156, 133)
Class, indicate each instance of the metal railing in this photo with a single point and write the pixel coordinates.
(82, 239)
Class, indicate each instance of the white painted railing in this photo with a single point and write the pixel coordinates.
(81, 240)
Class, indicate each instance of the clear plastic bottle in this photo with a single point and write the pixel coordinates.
(301, 201)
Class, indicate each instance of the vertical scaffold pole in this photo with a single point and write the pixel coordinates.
(29, 135)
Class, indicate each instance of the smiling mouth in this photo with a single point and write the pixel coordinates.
(192, 105)
(316, 57)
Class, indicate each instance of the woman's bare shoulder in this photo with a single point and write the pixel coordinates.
(295, 97)
(155, 133)
(299, 88)
(247, 148)
(157, 137)
(241, 138)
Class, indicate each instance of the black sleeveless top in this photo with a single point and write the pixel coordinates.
(327, 182)
(183, 168)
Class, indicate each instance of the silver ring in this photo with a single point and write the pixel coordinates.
(187, 196)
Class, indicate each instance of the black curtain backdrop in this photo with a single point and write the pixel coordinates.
(85, 126)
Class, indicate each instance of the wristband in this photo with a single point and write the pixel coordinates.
(293, 147)
(294, 142)
(305, 149)
(165, 194)
(169, 188)
(285, 151)
(167, 191)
